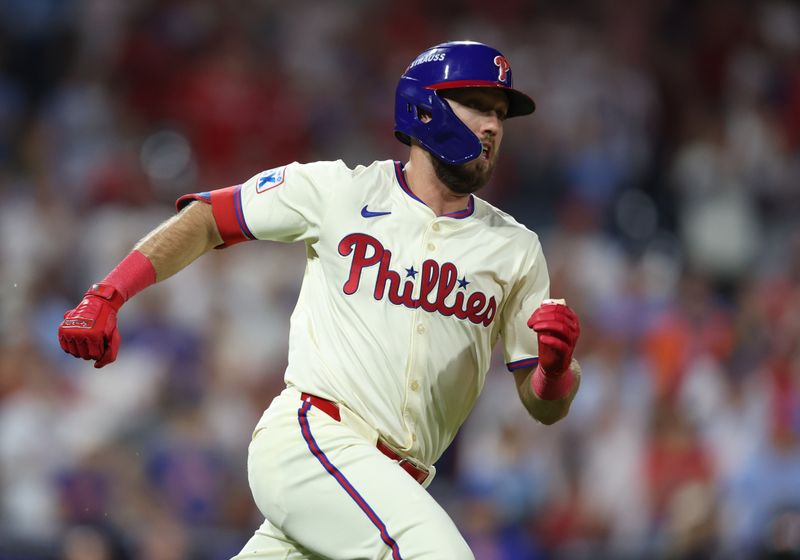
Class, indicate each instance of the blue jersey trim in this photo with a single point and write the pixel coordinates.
(239, 210)
(524, 363)
(458, 214)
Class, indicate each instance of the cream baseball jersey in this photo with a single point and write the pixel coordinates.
(399, 309)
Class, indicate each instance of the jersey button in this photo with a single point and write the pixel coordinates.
(421, 329)
(414, 385)
(436, 227)
(413, 437)
(431, 247)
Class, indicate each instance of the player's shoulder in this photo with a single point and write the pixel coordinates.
(502, 222)
(323, 168)
(339, 170)
(523, 241)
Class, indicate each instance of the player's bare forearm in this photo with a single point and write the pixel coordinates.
(90, 330)
(545, 411)
(178, 241)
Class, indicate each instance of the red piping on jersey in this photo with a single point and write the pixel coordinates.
(519, 364)
(458, 214)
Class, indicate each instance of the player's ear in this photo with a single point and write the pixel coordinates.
(424, 115)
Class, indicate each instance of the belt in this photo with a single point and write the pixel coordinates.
(332, 409)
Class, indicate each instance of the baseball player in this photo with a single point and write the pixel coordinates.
(410, 282)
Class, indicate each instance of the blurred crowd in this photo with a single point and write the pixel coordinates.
(661, 171)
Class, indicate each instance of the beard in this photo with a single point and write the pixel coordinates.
(466, 178)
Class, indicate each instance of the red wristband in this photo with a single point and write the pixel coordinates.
(552, 387)
(132, 275)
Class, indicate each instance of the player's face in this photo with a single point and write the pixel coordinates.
(483, 110)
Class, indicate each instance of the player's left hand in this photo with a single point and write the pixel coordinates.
(557, 328)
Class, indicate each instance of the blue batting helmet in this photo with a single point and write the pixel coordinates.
(457, 64)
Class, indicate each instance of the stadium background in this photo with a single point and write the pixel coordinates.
(661, 169)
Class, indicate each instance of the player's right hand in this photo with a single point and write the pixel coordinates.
(90, 330)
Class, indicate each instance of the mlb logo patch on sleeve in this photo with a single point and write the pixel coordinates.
(270, 179)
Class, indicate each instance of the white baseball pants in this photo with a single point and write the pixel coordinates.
(327, 492)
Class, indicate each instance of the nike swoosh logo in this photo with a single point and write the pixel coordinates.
(369, 214)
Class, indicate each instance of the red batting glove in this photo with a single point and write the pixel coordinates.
(90, 330)
(557, 328)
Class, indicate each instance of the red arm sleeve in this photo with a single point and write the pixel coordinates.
(226, 205)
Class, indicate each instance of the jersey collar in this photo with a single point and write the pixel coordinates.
(458, 214)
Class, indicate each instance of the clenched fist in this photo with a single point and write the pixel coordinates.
(90, 330)
(557, 328)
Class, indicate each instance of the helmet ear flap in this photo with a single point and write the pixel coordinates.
(443, 133)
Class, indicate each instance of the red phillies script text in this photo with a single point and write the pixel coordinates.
(434, 278)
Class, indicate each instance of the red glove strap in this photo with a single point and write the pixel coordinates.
(552, 387)
(108, 293)
(132, 275)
